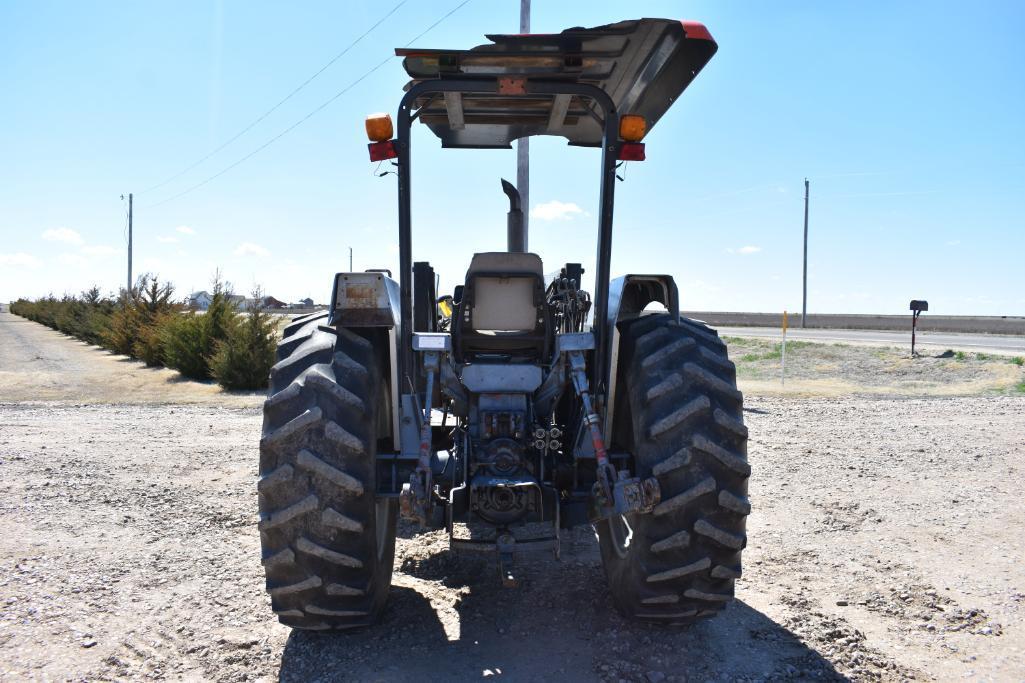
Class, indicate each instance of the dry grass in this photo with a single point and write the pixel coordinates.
(815, 369)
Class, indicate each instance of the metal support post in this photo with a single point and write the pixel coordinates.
(523, 147)
(914, 325)
(129, 288)
(804, 298)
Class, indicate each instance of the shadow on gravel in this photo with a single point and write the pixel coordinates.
(389, 651)
(560, 626)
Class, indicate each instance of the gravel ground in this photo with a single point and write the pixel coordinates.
(885, 544)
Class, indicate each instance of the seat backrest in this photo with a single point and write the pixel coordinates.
(504, 290)
(503, 305)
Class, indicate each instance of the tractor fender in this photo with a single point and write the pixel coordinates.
(364, 300)
(369, 303)
(628, 297)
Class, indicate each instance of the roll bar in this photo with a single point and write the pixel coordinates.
(610, 153)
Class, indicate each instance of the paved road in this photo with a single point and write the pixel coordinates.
(988, 343)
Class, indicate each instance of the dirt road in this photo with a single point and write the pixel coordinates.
(40, 364)
(884, 544)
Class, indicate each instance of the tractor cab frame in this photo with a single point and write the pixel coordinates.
(575, 84)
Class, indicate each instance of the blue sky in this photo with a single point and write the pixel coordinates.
(907, 117)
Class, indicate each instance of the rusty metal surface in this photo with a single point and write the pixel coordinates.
(359, 295)
(364, 300)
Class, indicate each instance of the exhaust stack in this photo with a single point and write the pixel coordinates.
(515, 233)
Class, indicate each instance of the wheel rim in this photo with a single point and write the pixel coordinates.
(621, 533)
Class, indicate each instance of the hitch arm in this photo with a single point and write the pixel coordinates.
(416, 501)
(615, 493)
(606, 472)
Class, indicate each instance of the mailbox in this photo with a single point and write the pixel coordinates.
(919, 306)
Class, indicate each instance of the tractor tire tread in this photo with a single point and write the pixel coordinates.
(686, 430)
(318, 513)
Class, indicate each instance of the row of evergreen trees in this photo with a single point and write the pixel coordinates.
(146, 323)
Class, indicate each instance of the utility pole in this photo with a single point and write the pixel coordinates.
(523, 147)
(350, 259)
(804, 300)
(129, 289)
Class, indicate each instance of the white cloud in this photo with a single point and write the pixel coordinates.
(100, 250)
(748, 249)
(250, 249)
(185, 230)
(71, 259)
(555, 211)
(19, 259)
(66, 235)
(170, 239)
(953, 243)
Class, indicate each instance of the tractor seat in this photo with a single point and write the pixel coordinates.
(503, 312)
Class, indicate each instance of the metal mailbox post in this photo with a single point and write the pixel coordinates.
(916, 310)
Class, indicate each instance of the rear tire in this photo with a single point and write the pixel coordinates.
(682, 420)
(328, 542)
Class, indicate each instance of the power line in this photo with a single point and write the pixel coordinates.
(282, 101)
(303, 120)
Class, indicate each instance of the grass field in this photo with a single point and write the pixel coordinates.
(833, 369)
(818, 369)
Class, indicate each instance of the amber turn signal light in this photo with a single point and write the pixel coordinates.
(379, 127)
(632, 127)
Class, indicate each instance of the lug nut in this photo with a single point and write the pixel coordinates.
(539, 444)
(539, 433)
(553, 445)
(555, 432)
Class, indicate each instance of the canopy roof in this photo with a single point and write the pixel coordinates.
(642, 64)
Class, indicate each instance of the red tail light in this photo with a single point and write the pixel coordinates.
(380, 151)
(631, 151)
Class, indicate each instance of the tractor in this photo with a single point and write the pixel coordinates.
(517, 406)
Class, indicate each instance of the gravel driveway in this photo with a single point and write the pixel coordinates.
(885, 543)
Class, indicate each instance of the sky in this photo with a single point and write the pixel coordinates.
(908, 119)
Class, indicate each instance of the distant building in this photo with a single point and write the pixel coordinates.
(200, 300)
(307, 302)
(271, 302)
